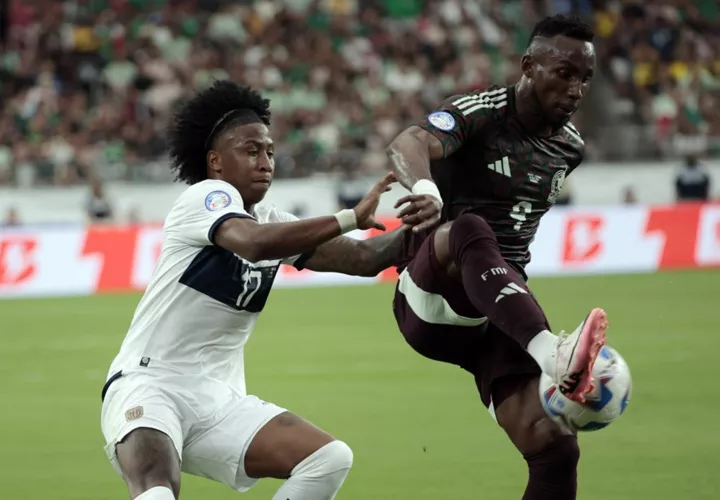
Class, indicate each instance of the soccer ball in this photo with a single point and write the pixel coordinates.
(604, 404)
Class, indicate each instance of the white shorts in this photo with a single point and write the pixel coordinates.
(210, 423)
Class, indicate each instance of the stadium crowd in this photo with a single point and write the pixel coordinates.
(88, 85)
(664, 60)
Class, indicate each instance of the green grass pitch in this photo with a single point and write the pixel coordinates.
(418, 428)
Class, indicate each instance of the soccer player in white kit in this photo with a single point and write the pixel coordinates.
(175, 397)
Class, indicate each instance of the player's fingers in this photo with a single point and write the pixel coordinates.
(379, 225)
(406, 199)
(423, 218)
(423, 204)
(385, 182)
(427, 224)
(413, 219)
(412, 210)
(408, 210)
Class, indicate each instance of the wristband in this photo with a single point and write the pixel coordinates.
(347, 220)
(427, 187)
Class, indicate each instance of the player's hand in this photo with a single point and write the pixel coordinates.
(421, 213)
(365, 210)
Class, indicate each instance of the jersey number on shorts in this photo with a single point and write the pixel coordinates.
(221, 275)
(519, 213)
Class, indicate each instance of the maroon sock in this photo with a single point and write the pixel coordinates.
(492, 286)
(553, 471)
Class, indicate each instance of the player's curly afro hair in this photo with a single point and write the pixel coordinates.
(571, 27)
(205, 115)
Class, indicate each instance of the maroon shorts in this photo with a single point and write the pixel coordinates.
(428, 310)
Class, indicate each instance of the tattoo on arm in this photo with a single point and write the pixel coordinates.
(358, 257)
(411, 153)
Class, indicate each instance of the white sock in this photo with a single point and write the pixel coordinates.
(319, 476)
(157, 493)
(542, 349)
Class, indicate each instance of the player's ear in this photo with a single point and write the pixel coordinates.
(213, 161)
(526, 64)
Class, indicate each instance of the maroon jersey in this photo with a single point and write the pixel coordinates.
(493, 168)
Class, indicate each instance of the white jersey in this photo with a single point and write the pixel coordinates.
(202, 301)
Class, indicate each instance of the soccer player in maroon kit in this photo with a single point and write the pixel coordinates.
(483, 168)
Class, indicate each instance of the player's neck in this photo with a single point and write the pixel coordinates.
(528, 110)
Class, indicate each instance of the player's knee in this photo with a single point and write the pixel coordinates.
(469, 229)
(154, 477)
(332, 459)
(472, 224)
(559, 459)
(338, 457)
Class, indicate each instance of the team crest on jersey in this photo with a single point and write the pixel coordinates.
(134, 413)
(217, 200)
(442, 120)
(556, 186)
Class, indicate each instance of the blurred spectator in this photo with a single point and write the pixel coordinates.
(98, 207)
(95, 83)
(133, 216)
(664, 61)
(12, 218)
(692, 183)
(628, 196)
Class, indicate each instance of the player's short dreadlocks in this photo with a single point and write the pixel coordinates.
(204, 118)
(571, 27)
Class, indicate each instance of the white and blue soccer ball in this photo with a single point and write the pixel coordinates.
(604, 405)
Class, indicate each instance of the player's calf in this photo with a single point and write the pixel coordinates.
(150, 465)
(551, 451)
(313, 462)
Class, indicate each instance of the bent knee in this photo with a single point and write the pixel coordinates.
(467, 230)
(336, 456)
(472, 224)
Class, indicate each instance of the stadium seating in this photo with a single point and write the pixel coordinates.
(664, 62)
(89, 86)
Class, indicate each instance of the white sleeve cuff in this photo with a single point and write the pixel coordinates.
(427, 187)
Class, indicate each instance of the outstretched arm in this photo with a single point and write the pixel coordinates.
(358, 257)
(245, 237)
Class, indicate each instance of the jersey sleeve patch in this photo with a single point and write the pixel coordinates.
(217, 200)
(442, 120)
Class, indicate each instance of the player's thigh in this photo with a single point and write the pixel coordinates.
(142, 425)
(445, 343)
(433, 313)
(242, 442)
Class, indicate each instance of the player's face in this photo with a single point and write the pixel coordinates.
(561, 75)
(245, 158)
